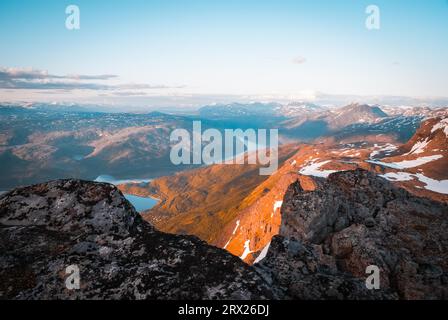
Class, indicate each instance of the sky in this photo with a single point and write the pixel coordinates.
(190, 52)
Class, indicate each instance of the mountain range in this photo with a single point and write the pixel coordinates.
(248, 216)
(356, 186)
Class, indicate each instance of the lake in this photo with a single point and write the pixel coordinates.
(140, 203)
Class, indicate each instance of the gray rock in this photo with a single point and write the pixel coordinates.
(375, 223)
(46, 228)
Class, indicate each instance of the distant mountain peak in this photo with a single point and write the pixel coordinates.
(365, 108)
(355, 113)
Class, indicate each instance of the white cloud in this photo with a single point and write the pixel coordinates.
(35, 79)
(299, 60)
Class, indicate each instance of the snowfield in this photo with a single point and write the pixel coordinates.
(439, 186)
(407, 163)
(312, 169)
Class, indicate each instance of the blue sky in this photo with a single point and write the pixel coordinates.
(218, 48)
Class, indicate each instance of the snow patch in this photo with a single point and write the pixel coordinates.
(263, 253)
(227, 243)
(312, 169)
(407, 163)
(439, 186)
(443, 124)
(236, 227)
(419, 147)
(277, 205)
(386, 148)
(246, 250)
(398, 176)
(233, 233)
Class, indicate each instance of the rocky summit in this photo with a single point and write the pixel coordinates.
(48, 227)
(352, 220)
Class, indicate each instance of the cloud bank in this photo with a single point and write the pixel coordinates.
(34, 79)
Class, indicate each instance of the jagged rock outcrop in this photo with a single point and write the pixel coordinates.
(47, 227)
(298, 270)
(352, 220)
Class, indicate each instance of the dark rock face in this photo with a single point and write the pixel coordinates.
(352, 220)
(46, 228)
(301, 271)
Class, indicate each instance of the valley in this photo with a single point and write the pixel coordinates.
(241, 215)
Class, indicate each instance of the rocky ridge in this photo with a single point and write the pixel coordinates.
(352, 220)
(328, 235)
(47, 227)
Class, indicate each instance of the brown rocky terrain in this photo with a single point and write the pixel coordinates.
(352, 220)
(420, 164)
(260, 219)
(202, 201)
(232, 206)
(254, 218)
